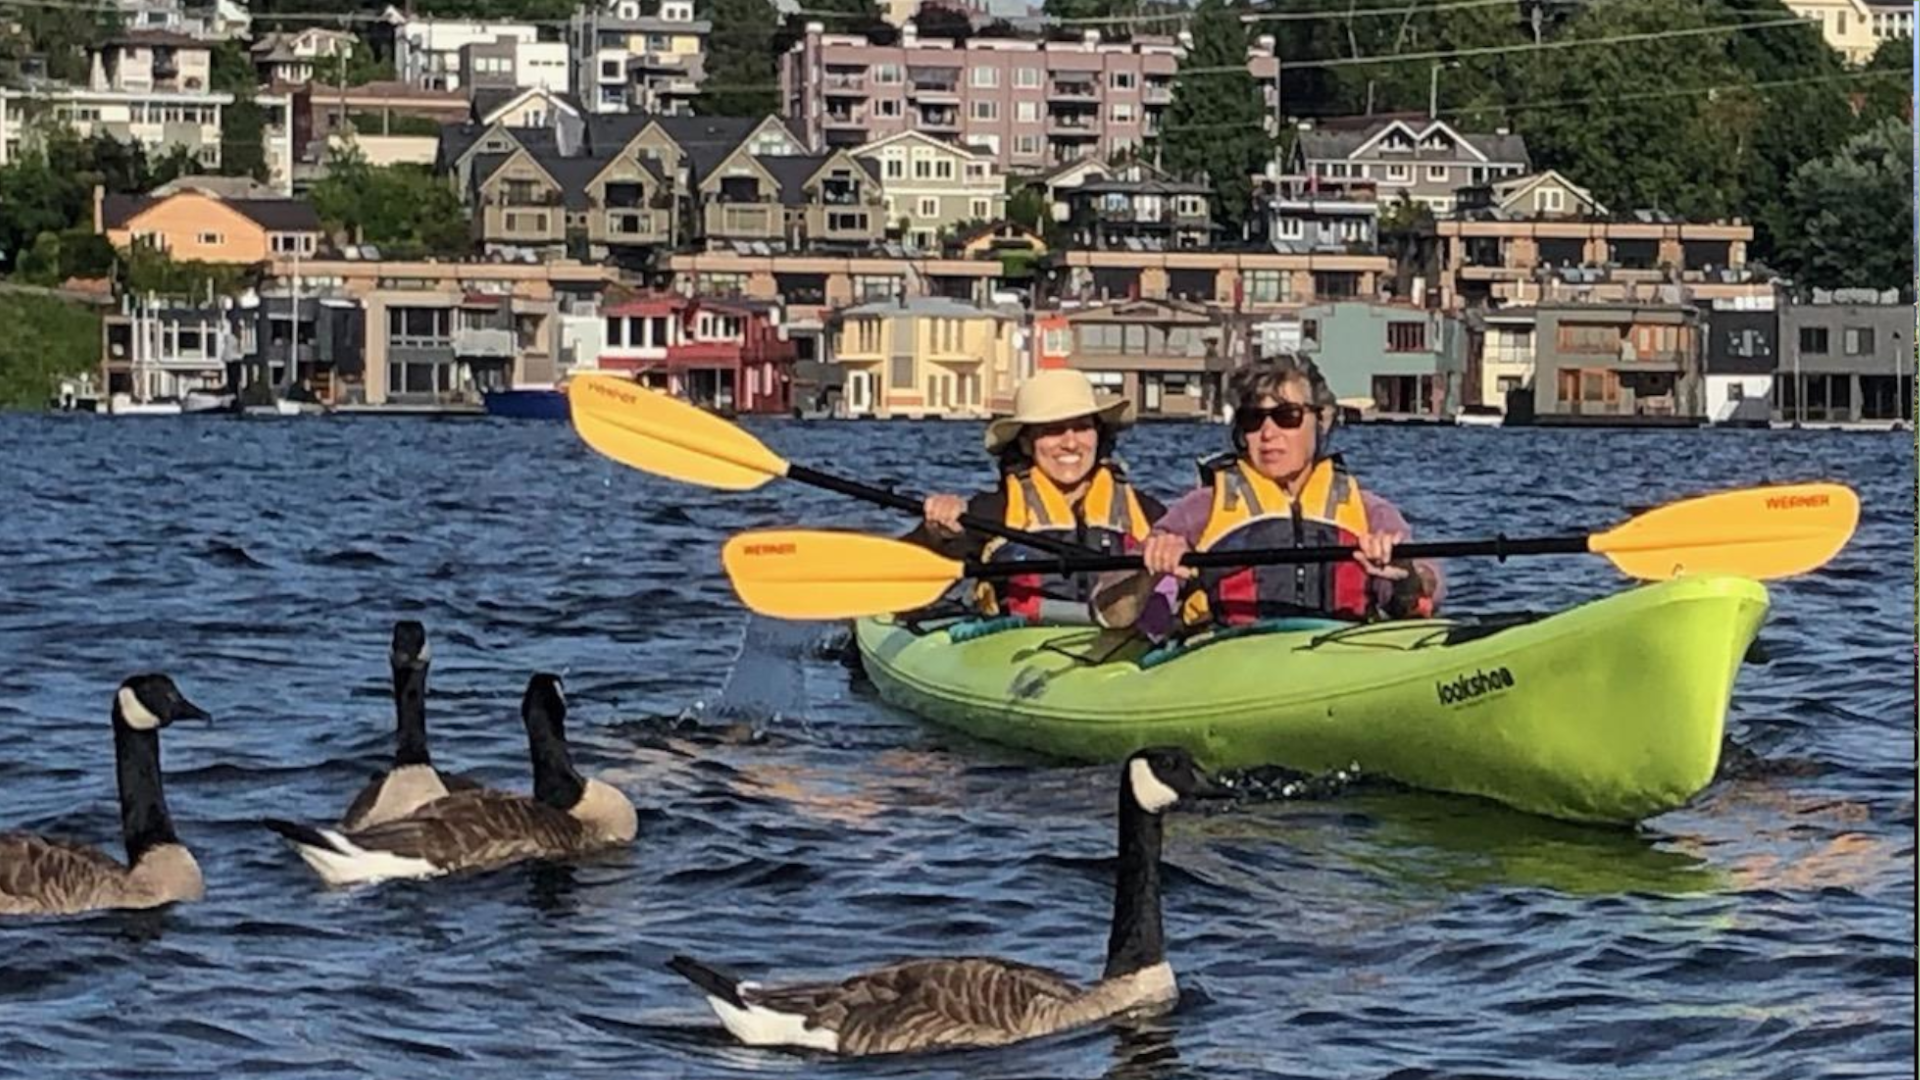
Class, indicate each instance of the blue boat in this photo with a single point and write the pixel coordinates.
(544, 403)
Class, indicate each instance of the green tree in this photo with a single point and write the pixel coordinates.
(742, 79)
(1883, 95)
(46, 339)
(74, 252)
(403, 209)
(243, 143)
(1680, 153)
(1215, 121)
(1852, 213)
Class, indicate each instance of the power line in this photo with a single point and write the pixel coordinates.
(1637, 95)
(1528, 47)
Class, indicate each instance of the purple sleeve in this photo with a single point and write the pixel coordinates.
(1186, 518)
(1383, 516)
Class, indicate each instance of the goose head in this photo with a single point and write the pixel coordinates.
(1159, 777)
(151, 701)
(410, 648)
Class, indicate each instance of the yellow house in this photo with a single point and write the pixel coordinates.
(199, 226)
(926, 356)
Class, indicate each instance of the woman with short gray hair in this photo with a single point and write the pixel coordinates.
(1279, 487)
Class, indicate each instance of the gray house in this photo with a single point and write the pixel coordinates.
(1425, 160)
(1846, 357)
(1617, 364)
(1388, 359)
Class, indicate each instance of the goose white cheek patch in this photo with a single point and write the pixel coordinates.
(134, 713)
(1149, 790)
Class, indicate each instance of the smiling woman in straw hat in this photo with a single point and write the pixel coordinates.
(1057, 476)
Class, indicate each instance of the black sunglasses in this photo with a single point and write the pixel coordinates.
(1287, 416)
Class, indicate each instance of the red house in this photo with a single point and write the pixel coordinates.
(723, 354)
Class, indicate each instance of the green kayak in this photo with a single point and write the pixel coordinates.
(1611, 711)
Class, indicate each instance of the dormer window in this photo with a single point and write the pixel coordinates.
(676, 11)
(628, 10)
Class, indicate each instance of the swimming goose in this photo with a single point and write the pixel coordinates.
(413, 782)
(39, 876)
(466, 830)
(978, 1001)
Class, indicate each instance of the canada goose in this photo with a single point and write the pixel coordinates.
(978, 1001)
(566, 815)
(413, 782)
(39, 876)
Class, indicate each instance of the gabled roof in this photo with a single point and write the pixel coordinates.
(793, 173)
(274, 215)
(490, 102)
(924, 139)
(1334, 144)
(1518, 187)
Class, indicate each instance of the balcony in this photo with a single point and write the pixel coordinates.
(852, 118)
(1070, 89)
(1157, 94)
(1073, 127)
(515, 223)
(930, 84)
(854, 86)
(626, 225)
(940, 119)
(852, 224)
(744, 221)
(484, 343)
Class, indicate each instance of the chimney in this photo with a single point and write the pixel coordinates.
(99, 210)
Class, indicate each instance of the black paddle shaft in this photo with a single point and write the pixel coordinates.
(1500, 547)
(1068, 552)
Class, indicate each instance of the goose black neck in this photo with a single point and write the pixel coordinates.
(1136, 940)
(410, 715)
(144, 821)
(555, 782)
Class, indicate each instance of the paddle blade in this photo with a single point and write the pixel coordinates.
(810, 574)
(1759, 533)
(662, 435)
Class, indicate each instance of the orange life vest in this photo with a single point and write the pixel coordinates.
(1108, 519)
(1251, 511)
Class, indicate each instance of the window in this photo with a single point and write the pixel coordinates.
(1267, 286)
(1026, 78)
(1548, 199)
(1123, 80)
(1406, 337)
(1575, 338)
(1736, 391)
(609, 69)
(986, 78)
(1858, 340)
(900, 372)
(888, 108)
(1436, 174)
(209, 238)
(1026, 111)
(894, 169)
(979, 209)
(1122, 114)
(886, 74)
(986, 110)
(1398, 174)
(876, 286)
(929, 207)
(1026, 144)
(1813, 340)
(420, 327)
(1058, 341)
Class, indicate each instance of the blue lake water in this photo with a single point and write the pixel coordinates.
(793, 825)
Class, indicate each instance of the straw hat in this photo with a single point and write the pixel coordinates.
(1052, 395)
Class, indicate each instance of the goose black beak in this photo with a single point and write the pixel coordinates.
(1202, 786)
(182, 709)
